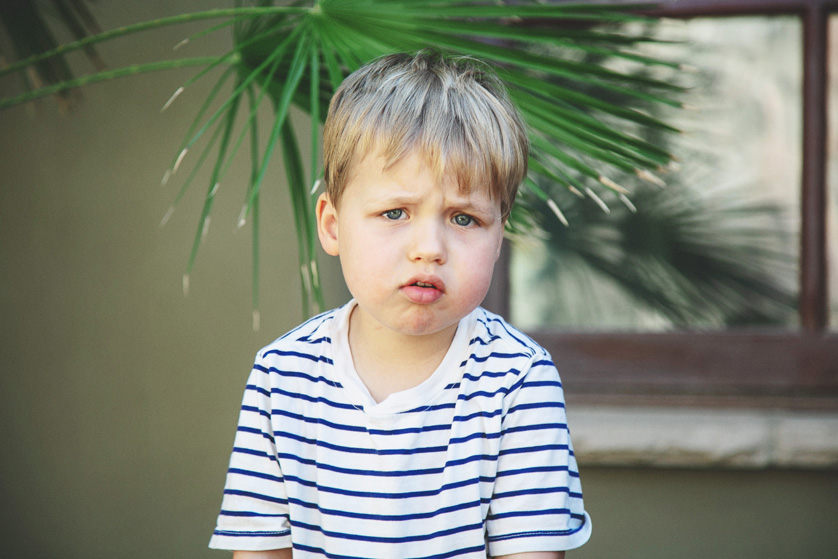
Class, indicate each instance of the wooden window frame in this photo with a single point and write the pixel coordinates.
(753, 368)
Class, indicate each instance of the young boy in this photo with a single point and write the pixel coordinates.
(409, 422)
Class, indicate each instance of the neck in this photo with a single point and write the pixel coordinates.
(388, 361)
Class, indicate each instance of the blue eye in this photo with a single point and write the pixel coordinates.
(463, 220)
(393, 214)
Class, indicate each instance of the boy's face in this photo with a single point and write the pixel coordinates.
(417, 253)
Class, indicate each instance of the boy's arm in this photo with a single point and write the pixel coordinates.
(270, 554)
(535, 555)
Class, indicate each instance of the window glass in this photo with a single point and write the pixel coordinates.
(717, 247)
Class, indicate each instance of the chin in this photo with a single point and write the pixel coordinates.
(423, 323)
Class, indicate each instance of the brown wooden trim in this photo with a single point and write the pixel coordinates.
(702, 8)
(813, 264)
(709, 363)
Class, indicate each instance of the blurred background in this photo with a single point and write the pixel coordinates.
(119, 395)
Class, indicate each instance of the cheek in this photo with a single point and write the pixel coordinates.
(477, 268)
(366, 267)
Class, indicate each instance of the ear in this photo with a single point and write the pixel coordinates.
(327, 224)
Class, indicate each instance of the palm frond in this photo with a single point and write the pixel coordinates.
(297, 54)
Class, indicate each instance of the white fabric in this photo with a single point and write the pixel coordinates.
(478, 452)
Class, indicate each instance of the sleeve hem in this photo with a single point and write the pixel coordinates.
(250, 541)
(542, 540)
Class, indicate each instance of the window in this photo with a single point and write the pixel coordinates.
(795, 365)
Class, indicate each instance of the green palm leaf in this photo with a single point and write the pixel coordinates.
(552, 56)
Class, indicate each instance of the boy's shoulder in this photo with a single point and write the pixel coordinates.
(492, 330)
(309, 337)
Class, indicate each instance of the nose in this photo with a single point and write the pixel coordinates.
(427, 242)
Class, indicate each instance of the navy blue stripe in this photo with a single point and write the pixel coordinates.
(255, 409)
(387, 517)
(535, 406)
(536, 534)
(491, 374)
(250, 514)
(259, 389)
(533, 491)
(313, 399)
(404, 431)
(493, 355)
(520, 338)
(257, 453)
(252, 452)
(543, 363)
(529, 449)
(301, 355)
(295, 374)
(382, 473)
(357, 450)
(534, 383)
(231, 534)
(392, 451)
(523, 471)
(255, 431)
(454, 553)
(258, 496)
(481, 341)
(384, 539)
(469, 417)
(321, 340)
(525, 513)
(382, 495)
(408, 430)
(472, 436)
(436, 407)
(318, 421)
(360, 429)
(534, 470)
(251, 473)
(325, 316)
(537, 427)
(484, 393)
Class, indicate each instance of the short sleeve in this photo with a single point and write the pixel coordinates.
(254, 509)
(537, 501)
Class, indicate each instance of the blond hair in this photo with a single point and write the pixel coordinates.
(455, 111)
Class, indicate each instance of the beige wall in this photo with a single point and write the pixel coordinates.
(118, 396)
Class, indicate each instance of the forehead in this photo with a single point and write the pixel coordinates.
(394, 173)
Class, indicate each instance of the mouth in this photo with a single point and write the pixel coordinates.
(425, 290)
(427, 282)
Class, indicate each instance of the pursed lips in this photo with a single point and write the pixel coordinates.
(424, 290)
(427, 282)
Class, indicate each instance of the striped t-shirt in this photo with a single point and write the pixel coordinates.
(476, 459)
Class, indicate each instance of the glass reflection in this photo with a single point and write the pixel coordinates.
(717, 247)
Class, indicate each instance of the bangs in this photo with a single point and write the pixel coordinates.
(454, 112)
